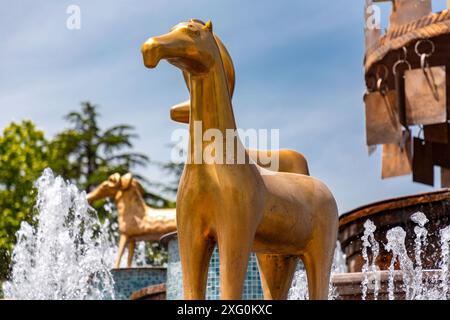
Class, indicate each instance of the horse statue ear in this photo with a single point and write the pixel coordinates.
(114, 178)
(209, 26)
(125, 181)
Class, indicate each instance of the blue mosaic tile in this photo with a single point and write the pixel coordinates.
(252, 285)
(127, 281)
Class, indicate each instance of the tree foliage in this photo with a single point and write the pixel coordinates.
(91, 154)
(23, 156)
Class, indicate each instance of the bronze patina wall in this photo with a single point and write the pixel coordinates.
(394, 213)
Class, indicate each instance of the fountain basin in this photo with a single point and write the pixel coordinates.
(347, 286)
(396, 213)
(155, 292)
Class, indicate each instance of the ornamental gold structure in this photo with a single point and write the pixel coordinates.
(407, 102)
(240, 207)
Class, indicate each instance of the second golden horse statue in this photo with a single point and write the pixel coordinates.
(137, 221)
(288, 160)
(241, 207)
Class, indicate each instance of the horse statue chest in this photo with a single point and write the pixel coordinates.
(214, 185)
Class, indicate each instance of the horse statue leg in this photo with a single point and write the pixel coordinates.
(131, 247)
(318, 261)
(195, 254)
(234, 253)
(122, 244)
(277, 272)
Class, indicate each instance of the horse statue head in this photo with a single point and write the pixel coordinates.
(180, 112)
(191, 46)
(115, 184)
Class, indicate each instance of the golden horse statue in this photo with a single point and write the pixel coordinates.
(240, 207)
(137, 221)
(288, 160)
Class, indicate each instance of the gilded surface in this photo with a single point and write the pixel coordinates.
(242, 208)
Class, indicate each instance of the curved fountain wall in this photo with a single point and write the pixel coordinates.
(174, 286)
(393, 213)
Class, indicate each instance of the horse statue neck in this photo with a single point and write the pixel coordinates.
(210, 105)
(211, 102)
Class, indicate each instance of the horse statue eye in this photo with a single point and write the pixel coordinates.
(191, 30)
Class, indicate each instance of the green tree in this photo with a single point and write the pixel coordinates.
(23, 156)
(91, 154)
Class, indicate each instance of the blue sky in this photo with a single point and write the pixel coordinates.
(298, 63)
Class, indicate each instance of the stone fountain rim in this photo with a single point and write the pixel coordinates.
(146, 268)
(356, 277)
(168, 237)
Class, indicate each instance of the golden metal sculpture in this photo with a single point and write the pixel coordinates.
(426, 87)
(404, 11)
(413, 53)
(289, 160)
(382, 122)
(137, 221)
(241, 207)
(396, 160)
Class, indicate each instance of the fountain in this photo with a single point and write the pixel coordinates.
(394, 249)
(63, 254)
(396, 244)
(66, 254)
(392, 264)
(421, 241)
(445, 241)
(369, 242)
(404, 277)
